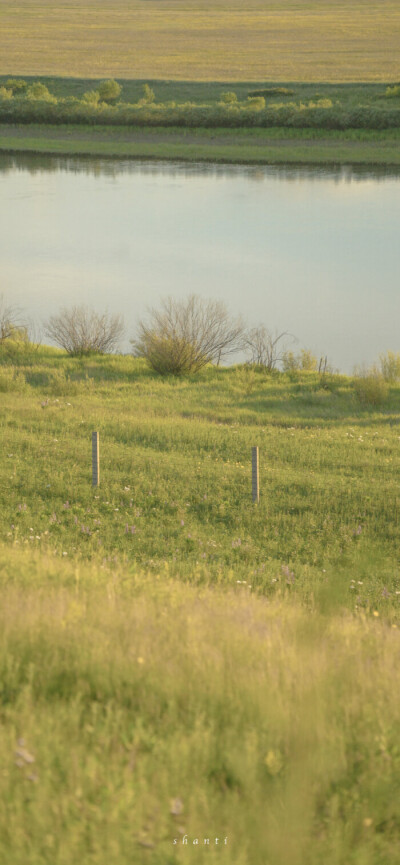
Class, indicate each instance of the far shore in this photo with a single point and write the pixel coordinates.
(235, 146)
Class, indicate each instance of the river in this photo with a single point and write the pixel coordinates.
(311, 251)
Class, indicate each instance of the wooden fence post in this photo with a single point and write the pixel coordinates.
(95, 460)
(255, 475)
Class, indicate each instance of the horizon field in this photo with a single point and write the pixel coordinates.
(220, 41)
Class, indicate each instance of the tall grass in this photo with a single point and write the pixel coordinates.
(137, 711)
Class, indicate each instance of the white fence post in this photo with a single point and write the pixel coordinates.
(95, 460)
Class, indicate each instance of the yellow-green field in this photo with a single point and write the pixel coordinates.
(211, 40)
(174, 660)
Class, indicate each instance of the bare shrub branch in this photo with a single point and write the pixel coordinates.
(264, 348)
(80, 330)
(184, 335)
(10, 322)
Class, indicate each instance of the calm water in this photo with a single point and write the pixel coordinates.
(311, 251)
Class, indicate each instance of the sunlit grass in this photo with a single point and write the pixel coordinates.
(319, 40)
(175, 468)
(175, 661)
(136, 710)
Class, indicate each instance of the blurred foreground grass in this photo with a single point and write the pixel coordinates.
(136, 710)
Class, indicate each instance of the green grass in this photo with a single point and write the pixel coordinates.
(167, 646)
(136, 710)
(175, 465)
(287, 40)
(358, 147)
(361, 126)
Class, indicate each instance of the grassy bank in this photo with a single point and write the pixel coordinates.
(176, 663)
(136, 711)
(236, 122)
(283, 40)
(175, 475)
(216, 145)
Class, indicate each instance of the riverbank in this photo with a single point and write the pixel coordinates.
(255, 146)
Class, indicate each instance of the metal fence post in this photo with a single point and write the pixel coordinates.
(95, 460)
(255, 485)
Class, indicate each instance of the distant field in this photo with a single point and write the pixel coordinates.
(212, 40)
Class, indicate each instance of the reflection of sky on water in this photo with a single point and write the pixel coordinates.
(309, 250)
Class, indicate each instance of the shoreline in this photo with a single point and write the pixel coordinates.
(218, 145)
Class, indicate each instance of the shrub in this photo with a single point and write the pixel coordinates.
(5, 94)
(81, 331)
(264, 348)
(10, 322)
(370, 386)
(390, 365)
(304, 360)
(148, 95)
(40, 91)
(256, 103)
(185, 335)
(228, 97)
(109, 91)
(393, 91)
(16, 85)
(272, 91)
(91, 97)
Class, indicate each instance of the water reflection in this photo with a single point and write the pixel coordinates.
(38, 164)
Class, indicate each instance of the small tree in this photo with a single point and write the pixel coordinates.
(264, 348)
(185, 335)
(80, 331)
(109, 91)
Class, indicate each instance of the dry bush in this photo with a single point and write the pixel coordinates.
(10, 323)
(264, 348)
(81, 331)
(185, 335)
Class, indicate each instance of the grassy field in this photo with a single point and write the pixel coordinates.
(175, 463)
(331, 40)
(272, 146)
(174, 660)
(137, 711)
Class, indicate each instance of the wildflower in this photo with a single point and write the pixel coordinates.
(182, 522)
